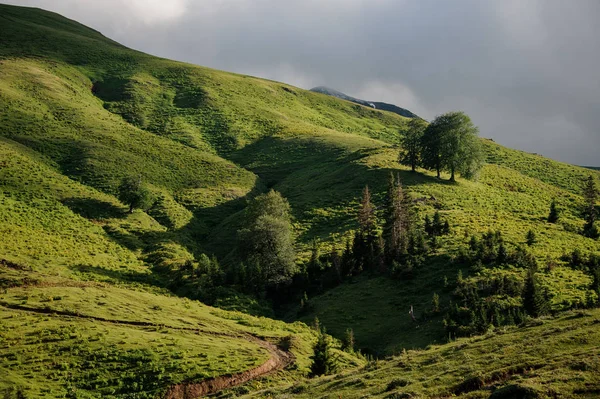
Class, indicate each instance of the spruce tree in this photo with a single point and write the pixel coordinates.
(590, 194)
(502, 254)
(530, 238)
(347, 260)
(348, 342)
(322, 360)
(366, 214)
(535, 302)
(365, 245)
(397, 224)
(553, 215)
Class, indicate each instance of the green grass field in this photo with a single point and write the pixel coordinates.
(78, 112)
(547, 358)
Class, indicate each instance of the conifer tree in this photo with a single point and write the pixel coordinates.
(531, 238)
(397, 225)
(534, 300)
(347, 261)
(348, 342)
(322, 360)
(365, 245)
(553, 215)
(366, 214)
(502, 254)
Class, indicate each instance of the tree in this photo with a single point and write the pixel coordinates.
(451, 143)
(267, 240)
(431, 148)
(535, 302)
(411, 139)
(502, 256)
(531, 238)
(349, 342)
(398, 220)
(366, 214)
(365, 246)
(553, 215)
(322, 359)
(590, 194)
(133, 193)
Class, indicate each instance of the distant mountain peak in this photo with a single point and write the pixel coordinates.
(373, 104)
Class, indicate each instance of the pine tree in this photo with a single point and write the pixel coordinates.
(590, 194)
(531, 238)
(347, 260)
(428, 226)
(322, 360)
(397, 225)
(502, 254)
(348, 341)
(365, 244)
(535, 302)
(436, 224)
(366, 214)
(553, 215)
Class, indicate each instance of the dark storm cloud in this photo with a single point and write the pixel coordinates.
(526, 71)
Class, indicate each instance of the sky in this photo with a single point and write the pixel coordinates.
(527, 72)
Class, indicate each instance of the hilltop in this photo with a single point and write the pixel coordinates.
(90, 293)
(373, 104)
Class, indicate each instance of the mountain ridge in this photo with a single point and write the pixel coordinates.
(373, 104)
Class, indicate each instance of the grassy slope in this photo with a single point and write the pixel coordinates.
(548, 358)
(51, 346)
(78, 111)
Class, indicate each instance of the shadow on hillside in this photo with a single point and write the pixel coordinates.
(124, 275)
(94, 209)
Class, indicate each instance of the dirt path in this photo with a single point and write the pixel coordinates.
(278, 359)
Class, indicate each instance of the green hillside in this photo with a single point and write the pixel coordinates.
(87, 288)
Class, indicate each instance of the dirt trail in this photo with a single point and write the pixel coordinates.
(278, 359)
(190, 390)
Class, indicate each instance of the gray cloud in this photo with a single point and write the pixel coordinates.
(525, 70)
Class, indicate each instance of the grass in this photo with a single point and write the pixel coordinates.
(546, 358)
(92, 339)
(79, 111)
